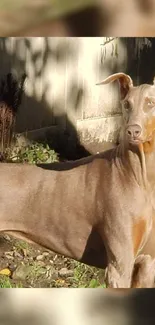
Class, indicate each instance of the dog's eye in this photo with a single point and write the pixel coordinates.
(150, 102)
(127, 105)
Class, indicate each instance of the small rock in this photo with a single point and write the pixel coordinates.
(9, 253)
(40, 257)
(51, 262)
(21, 272)
(65, 272)
(12, 267)
(18, 255)
(41, 263)
(45, 254)
(7, 237)
(9, 257)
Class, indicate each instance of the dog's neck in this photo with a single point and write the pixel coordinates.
(133, 159)
(140, 157)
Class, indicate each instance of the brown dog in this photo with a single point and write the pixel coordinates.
(99, 209)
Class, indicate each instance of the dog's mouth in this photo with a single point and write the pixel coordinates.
(137, 142)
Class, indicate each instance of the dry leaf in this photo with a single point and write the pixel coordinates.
(5, 272)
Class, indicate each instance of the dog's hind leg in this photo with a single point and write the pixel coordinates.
(143, 272)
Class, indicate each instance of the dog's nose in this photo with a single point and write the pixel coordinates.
(134, 131)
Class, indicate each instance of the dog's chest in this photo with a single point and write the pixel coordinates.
(142, 225)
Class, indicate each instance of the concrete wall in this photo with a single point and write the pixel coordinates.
(60, 87)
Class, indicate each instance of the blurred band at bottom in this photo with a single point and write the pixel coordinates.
(77, 306)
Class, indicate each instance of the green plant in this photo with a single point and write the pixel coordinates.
(21, 244)
(6, 283)
(36, 271)
(95, 283)
(87, 277)
(33, 153)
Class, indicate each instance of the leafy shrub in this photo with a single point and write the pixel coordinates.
(33, 153)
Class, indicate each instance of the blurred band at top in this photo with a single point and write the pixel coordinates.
(77, 18)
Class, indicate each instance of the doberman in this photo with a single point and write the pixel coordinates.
(99, 209)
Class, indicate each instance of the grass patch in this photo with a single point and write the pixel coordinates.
(5, 282)
(22, 245)
(35, 271)
(88, 277)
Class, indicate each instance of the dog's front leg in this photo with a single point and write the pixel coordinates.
(120, 258)
(118, 272)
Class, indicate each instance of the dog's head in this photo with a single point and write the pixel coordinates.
(138, 109)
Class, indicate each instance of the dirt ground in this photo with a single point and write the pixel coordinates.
(24, 265)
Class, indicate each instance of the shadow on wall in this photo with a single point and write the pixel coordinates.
(47, 100)
(140, 63)
(20, 56)
(140, 59)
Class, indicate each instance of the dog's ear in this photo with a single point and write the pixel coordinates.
(125, 82)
